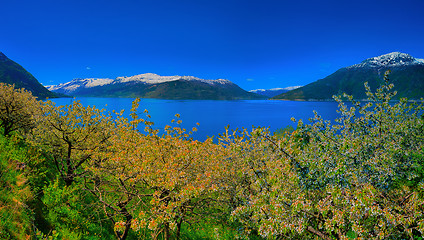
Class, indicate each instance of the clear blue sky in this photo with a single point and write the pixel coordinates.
(256, 44)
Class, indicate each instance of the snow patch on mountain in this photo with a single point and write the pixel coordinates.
(275, 89)
(290, 88)
(394, 59)
(151, 78)
(146, 78)
(77, 83)
(94, 82)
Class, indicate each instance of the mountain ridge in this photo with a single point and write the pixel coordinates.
(273, 91)
(13, 73)
(407, 74)
(150, 85)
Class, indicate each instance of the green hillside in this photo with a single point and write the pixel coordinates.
(409, 82)
(407, 74)
(13, 73)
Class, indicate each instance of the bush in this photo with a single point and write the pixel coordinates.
(15, 216)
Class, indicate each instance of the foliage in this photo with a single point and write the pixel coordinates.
(360, 178)
(70, 134)
(81, 174)
(282, 131)
(270, 182)
(158, 182)
(74, 213)
(15, 215)
(19, 110)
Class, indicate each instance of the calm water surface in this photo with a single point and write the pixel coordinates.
(213, 116)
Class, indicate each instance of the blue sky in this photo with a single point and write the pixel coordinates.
(256, 44)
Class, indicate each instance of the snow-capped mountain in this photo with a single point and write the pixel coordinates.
(394, 59)
(79, 84)
(151, 78)
(273, 91)
(407, 75)
(150, 85)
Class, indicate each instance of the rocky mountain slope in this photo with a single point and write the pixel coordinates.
(407, 74)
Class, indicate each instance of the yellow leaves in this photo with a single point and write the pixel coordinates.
(160, 174)
(138, 224)
(20, 180)
(146, 128)
(153, 224)
(119, 226)
(19, 110)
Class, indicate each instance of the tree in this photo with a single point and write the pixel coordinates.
(70, 134)
(153, 181)
(19, 110)
(360, 178)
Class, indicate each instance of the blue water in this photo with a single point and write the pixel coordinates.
(213, 116)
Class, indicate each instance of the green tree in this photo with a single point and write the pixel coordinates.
(70, 134)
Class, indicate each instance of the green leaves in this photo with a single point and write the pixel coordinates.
(71, 134)
(74, 212)
(15, 215)
(359, 177)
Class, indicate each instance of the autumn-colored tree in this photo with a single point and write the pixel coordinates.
(19, 109)
(156, 181)
(361, 178)
(70, 134)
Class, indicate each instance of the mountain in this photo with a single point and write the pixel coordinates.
(13, 73)
(150, 85)
(407, 74)
(273, 91)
